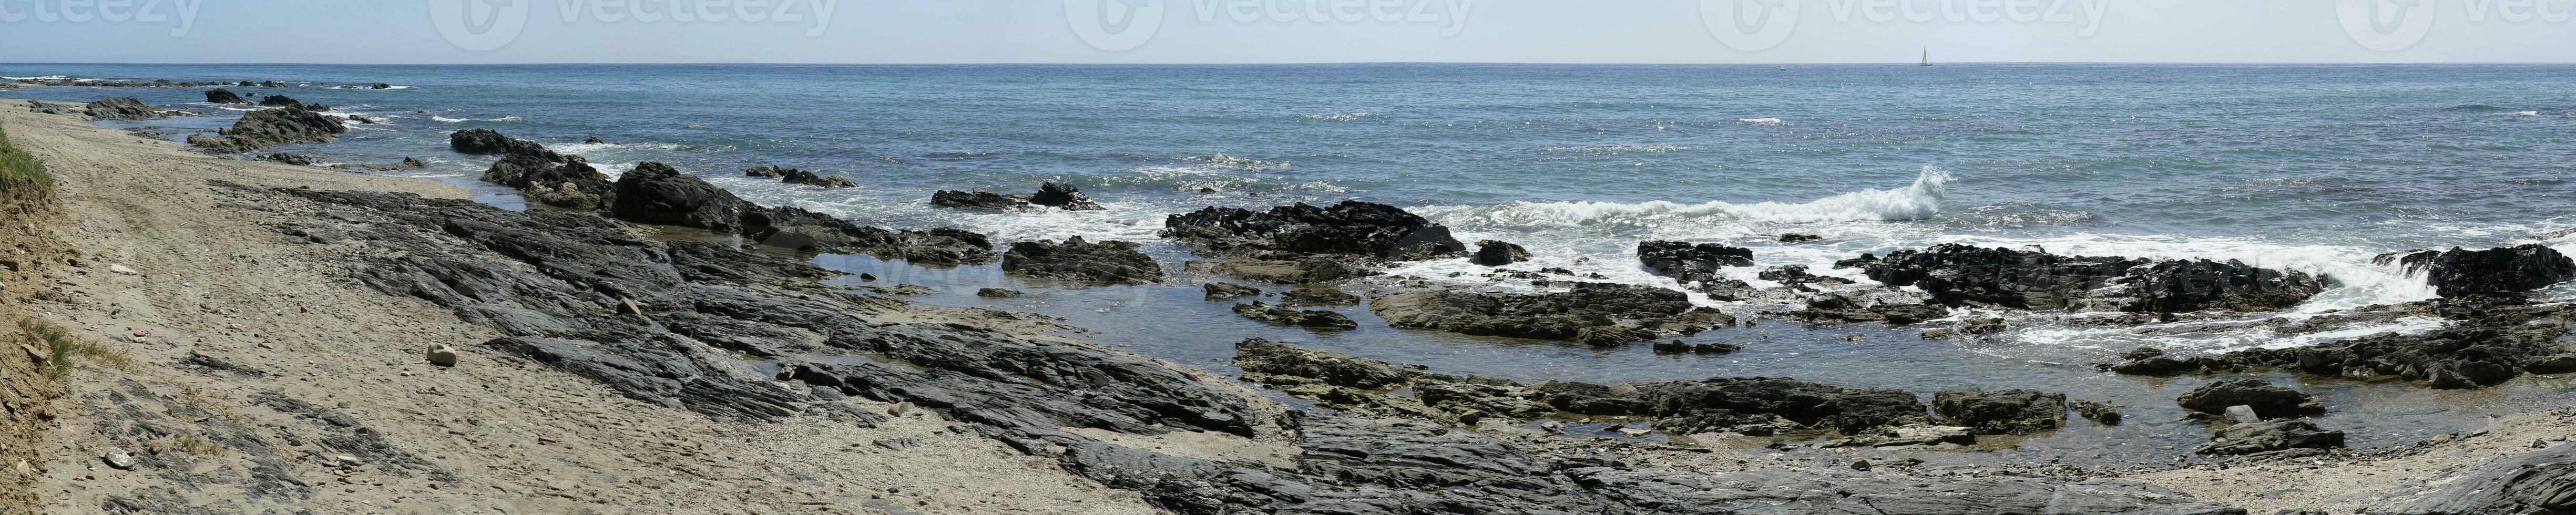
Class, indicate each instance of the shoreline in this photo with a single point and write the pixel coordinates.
(92, 153)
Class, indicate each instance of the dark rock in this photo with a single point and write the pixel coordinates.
(490, 142)
(1065, 196)
(2270, 400)
(1963, 275)
(1791, 237)
(1318, 296)
(1303, 271)
(293, 159)
(655, 193)
(978, 200)
(790, 227)
(2490, 340)
(1349, 228)
(2002, 411)
(272, 127)
(766, 172)
(595, 140)
(570, 184)
(1550, 316)
(1689, 263)
(996, 293)
(1283, 315)
(1498, 253)
(283, 101)
(121, 109)
(795, 176)
(1895, 307)
(2097, 412)
(224, 96)
(1680, 347)
(1075, 259)
(2499, 271)
(1271, 362)
(409, 163)
(1221, 291)
(2270, 436)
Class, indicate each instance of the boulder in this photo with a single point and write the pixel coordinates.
(442, 355)
(224, 96)
(490, 142)
(655, 193)
(1283, 315)
(1075, 259)
(1351, 228)
(2271, 400)
(2098, 412)
(121, 109)
(271, 127)
(2498, 271)
(1064, 196)
(1964, 275)
(1498, 253)
(2002, 411)
(282, 101)
(2269, 437)
(1690, 263)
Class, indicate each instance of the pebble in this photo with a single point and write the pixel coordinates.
(121, 269)
(117, 457)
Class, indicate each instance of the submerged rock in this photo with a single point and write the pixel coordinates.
(272, 127)
(795, 176)
(1302, 271)
(1349, 228)
(1964, 275)
(2499, 271)
(2002, 411)
(2098, 412)
(1075, 259)
(572, 183)
(978, 200)
(1283, 315)
(1221, 291)
(1565, 315)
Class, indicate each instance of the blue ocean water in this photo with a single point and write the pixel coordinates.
(2316, 168)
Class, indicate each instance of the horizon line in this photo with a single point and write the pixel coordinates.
(1316, 63)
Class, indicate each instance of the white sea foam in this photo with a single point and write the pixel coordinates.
(2520, 113)
(1236, 162)
(1344, 117)
(443, 119)
(1914, 202)
(1761, 121)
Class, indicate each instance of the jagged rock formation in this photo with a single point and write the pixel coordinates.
(1351, 228)
(1594, 313)
(2500, 271)
(272, 127)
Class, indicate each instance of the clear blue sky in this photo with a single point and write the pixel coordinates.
(1273, 31)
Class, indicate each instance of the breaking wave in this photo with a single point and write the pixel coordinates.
(1918, 201)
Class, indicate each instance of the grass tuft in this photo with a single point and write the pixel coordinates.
(22, 177)
(64, 351)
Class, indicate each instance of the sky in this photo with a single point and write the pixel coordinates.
(1285, 31)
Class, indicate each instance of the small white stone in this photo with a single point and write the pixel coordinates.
(122, 269)
(442, 355)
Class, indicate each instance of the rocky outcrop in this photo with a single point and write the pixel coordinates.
(1690, 263)
(1596, 313)
(1284, 315)
(1064, 196)
(1498, 253)
(1302, 271)
(1222, 291)
(655, 193)
(1350, 228)
(1115, 262)
(2271, 437)
(2002, 411)
(224, 96)
(1964, 275)
(1889, 305)
(2489, 341)
(979, 199)
(572, 183)
(121, 109)
(794, 228)
(2499, 271)
(2542, 481)
(1318, 295)
(2269, 400)
(272, 127)
(490, 142)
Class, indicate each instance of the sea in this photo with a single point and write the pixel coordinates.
(2315, 168)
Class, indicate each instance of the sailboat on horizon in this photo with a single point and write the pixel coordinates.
(1927, 56)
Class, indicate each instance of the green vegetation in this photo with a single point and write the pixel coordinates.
(63, 350)
(22, 178)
